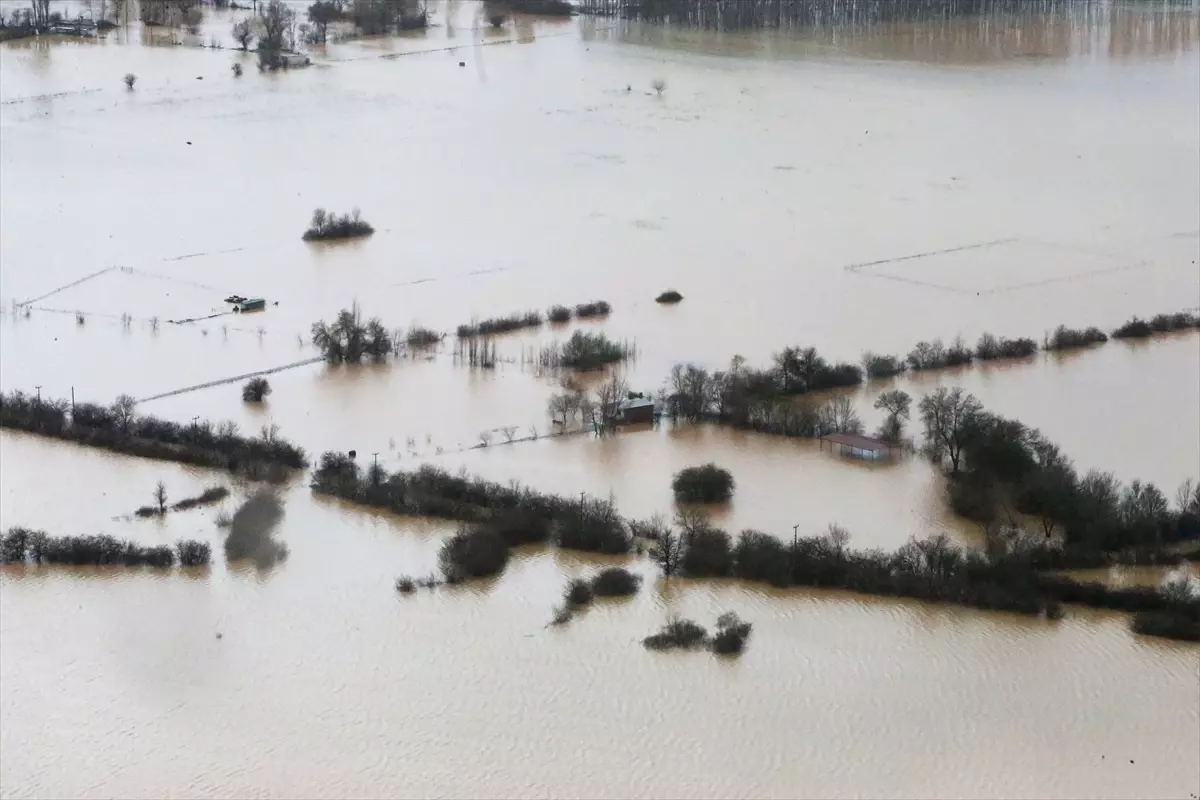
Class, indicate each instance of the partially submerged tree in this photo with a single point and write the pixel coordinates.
(896, 404)
(243, 33)
(130, 79)
(256, 390)
(949, 416)
(707, 483)
(160, 497)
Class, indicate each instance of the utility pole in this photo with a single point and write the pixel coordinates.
(39, 391)
(72, 401)
(375, 456)
(195, 422)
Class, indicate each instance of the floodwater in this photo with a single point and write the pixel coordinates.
(1047, 166)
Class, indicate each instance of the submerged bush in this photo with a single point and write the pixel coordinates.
(207, 497)
(578, 593)
(472, 553)
(704, 484)
(21, 545)
(935, 355)
(349, 339)
(488, 327)
(990, 348)
(193, 554)
(585, 351)
(1064, 338)
(669, 296)
(882, 366)
(706, 553)
(615, 582)
(677, 633)
(559, 314)
(421, 337)
(331, 226)
(255, 390)
(1133, 329)
(731, 635)
(596, 308)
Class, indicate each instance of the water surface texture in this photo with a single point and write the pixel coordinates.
(861, 184)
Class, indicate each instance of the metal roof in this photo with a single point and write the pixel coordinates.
(857, 441)
(635, 402)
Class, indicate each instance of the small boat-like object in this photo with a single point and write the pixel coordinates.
(235, 298)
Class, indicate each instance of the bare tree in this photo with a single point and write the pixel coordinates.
(949, 416)
(896, 403)
(658, 85)
(509, 432)
(123, 412)
(839, 416)
(160, 497)
(130, 79)
(667, 551)
(243, 33)
(608, 402)
(838, 538)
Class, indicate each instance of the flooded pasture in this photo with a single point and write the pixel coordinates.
(855, 187)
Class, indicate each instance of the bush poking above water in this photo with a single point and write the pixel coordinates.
(559, 314)
(255, 390)
(472, 553)
(704, 484)
(332, 226)
(596, 308)
(422, 337)
(585, 352)
(669, 296)
(677, 633)
(21, 545)
(990, 348)
(732, 634)
(513, 322)
(1064, 338)
(615, 582)
(578, 593)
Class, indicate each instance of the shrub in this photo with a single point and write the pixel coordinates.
(706, 553)
(990, 348)
(237, 70)
(761, 557)
(472, 553)
(585, 351)
(349, 339)
(597, 308)
(331, 226)
(677, 633)
(577, 593)
(193, 554)
(559, 314)
(935, 355)
(130, 79)
(593, 526)
(669, 296)
(731, 635)
(878, 366)
(1064, 338)
(255, 390)
(207, 497)
(513, 322)
(405, 585)
(1176, 623)
(519, 527)
(421, 337)
(1133, 329)
(615, 582)
(704, 484)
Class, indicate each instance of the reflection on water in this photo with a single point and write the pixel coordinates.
(953, 33)
(532, 178)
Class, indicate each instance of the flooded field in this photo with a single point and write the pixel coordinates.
(856, 187)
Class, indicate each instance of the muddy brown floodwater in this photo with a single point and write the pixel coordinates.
(849, 188)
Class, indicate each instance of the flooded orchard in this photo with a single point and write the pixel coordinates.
(853, 183)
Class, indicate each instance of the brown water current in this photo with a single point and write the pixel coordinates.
(851, 188)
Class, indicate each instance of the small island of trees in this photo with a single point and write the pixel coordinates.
(325, 225)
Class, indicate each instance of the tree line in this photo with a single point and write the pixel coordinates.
(25, 546)
(119, 428)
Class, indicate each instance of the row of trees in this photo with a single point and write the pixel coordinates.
(22, 546)
(1000, 469)
(119, 428)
